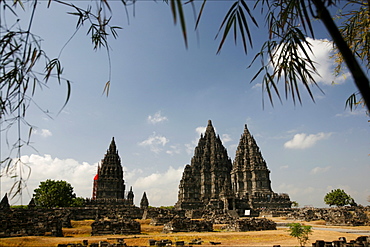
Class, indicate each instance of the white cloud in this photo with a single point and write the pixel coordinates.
(200, 130)
(43, 132)
(303, 141)
(284, 167)
(154, 142)
(79, 175)
(173, 150)
(322, 51)
(189, 147)
(161, 188)
(321, 55)
(354, 112)
(304, 195)
(257, 85)
(226, 138)
(318, 170)
(157, 118)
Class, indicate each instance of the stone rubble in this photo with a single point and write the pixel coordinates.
(251, 224)
(115, 227)
(187, 225)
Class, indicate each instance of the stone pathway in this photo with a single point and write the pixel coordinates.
(354, 231)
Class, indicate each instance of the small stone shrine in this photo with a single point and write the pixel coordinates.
(213, 181)
(144, 203)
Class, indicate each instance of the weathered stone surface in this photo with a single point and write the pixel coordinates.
(187, 225)
(212, 182)
(251, 178)
(206, 182)
(4, 204)
(115, 227)
(30, 222)
(340, 216)
(362, 241)
(219, 216)
(160, 220)
(144, 203)
(250, 224)
(108, 182)
(250, 174)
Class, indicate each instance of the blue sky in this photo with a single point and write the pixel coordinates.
(160, 100)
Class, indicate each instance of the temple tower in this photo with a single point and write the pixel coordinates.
(109, 183)
(211, 181)
(206, 181)
(250, 174)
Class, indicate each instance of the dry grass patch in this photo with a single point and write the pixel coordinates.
(82, 230)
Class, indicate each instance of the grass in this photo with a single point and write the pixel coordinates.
(82, 231)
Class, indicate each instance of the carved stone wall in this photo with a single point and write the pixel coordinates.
(339, 216)
(115, 227)
(112, 211)
(251, 224)
(30, 222)
(187, 225)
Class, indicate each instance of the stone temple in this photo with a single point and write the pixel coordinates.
(108, 182)
(213, 181)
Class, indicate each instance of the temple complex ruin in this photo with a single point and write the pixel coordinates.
(213, 181)
(108, 182)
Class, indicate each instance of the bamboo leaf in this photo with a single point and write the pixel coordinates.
(106, 88)
(182, 21)
(229, 24)
(200, 13)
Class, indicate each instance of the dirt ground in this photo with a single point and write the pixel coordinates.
(82, 231)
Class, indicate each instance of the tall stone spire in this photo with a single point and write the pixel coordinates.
(212, 181)
(109, 182)
(209, 172)
(250, 173)
(112, 147)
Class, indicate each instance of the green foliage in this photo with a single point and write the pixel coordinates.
(299, 231)
(53, 193)
(286, 55)
(19, 206)
(25, 68)
(78, 202)
(355, 18)
(295, 204)
(338, 198)
(166, 207)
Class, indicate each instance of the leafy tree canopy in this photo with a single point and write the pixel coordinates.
(299, 231)
(51, 193)
(338, 198)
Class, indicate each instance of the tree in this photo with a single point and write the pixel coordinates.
(355, 29)
(78, 202)
(338, 198)
(51, 193)
(300, 232)
(285, 56)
